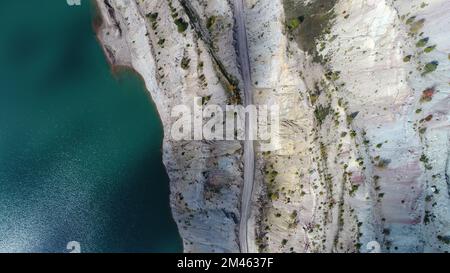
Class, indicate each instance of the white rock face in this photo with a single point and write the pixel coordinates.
(363, 88)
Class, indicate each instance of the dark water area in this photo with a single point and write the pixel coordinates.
(80, 148)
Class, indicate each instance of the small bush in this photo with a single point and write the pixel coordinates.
(427, 94)
(181, 25)
(430, 67)
(293, 24)
(211, 22)
(321, 113)
(429, 49)
(422, 42)
(152, 16)
(185, 63)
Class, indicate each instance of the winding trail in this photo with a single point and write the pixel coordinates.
(249, 149)
(240, 36)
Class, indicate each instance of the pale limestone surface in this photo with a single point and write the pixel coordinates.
(364, 156)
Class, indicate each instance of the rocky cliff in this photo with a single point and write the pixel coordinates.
(363, 87)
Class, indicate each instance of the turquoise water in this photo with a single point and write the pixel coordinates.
(80, 148)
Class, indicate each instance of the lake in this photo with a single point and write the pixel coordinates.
(80, 147)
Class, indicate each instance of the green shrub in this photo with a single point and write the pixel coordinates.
(321, 113)
(161, 42)
(211, 22)
(206, 99)
(152, 16)
(294, 23)
(422, 42)
(181, 24)
(185, 63)
(430, 67)
(429, 49)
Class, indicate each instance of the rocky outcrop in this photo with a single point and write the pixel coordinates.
(157, 41)
(363, 91)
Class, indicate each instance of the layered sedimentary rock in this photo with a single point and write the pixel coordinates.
(363, 88)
